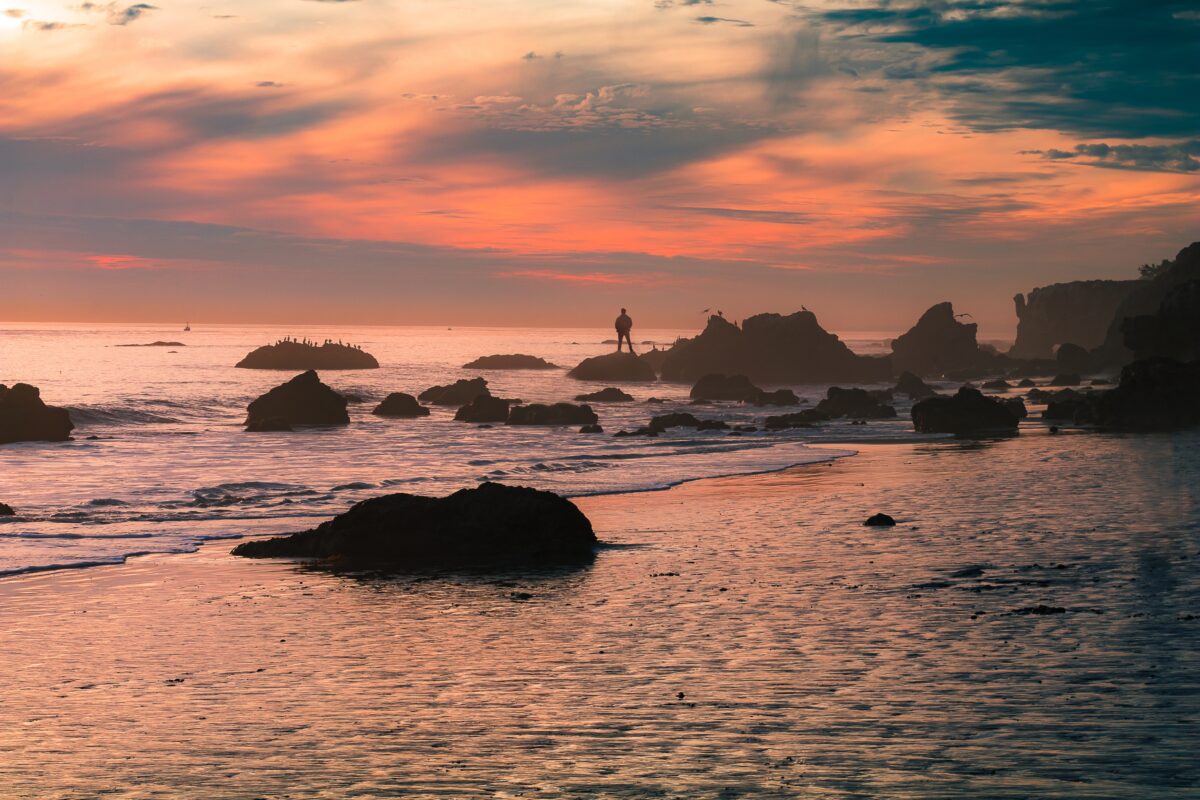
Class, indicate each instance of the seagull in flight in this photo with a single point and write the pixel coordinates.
(705, 311)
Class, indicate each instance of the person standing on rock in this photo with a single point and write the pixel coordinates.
(624, 326)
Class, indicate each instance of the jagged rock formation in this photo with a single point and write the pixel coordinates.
(490, 526)
(1146, 299)
(771, 348)
(303, 400)
(7, 510)
(856, 403)
(940, 345)
(459, 393)
(965, 413)
(291, 355)
(609, 395)
(484, 408)
(556, 414)
(615, 367)
(24, 417)
(514, 361)
(1077, 311)
(399, 404)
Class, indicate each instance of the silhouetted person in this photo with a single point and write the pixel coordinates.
(624, 326)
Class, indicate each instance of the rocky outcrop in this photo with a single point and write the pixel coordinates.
(7, 510)
(303, 400)
(654, 358)
(725, 387)
(291, 355)
(459, 393)
(1173, 331)
(1146, 299)
(967, 412)
(998, 385)
(490, 526)
(1072, 358)
(1078, 312)
(615, 367)
(913, 386)
(800, 419)
(399, 404)
(856, 403)
(940, 345)
(663, 422)
(515, 361)
(484, 408)
(609, 395)
(555, 414)
(771, 348)
(24, 417)
(779, 397)
(880, 520)
(1155, 394)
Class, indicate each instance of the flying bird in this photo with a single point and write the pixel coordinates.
(705, 311)
(804, 308)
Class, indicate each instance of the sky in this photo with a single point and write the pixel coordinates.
(530, 162)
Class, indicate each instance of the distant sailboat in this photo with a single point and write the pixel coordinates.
(187, 326)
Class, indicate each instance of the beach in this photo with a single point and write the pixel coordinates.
(1028, 629)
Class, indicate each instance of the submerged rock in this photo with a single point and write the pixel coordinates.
(303, 400)
(913, 386)
(7, 510)
(484, 408)
(399, 404)
(556, 414)
(24, 417)
(493, 525)
(681, 419)
(616, 367)
(998, 385)
(857, 403)
(159, 343)
(514, 361)
(308, 356)
(771, 348)
(609, 395)
(269, 425)
(967, 412)
(880, 520)
(459, 393)
(800, 419)
(591, 429)
(939, 344)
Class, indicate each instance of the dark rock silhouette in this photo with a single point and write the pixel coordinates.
(967, 412)
(1016, 405)
(913, 386)
(997, 385)
(1146, 299)
(491, 526)
(155, 344)
(1155, 394)
(663, 422)
(556, 414)
(24, 417)
(1173, 331)
(770, 348)
(1071, 357)
(303, 400)
(940, 345)
(856, 403)
(615, 367)
(800, 419)
(1065, 404)
(591, 429)
(1078, 311)
(779, 397)
(1026, 383)
(880, 520)
(459, 393)
(609, 395)
(1066, 380)
(725, 387)
(7, 510)
(654, 358)
(292, 355)
(399, 404)
(269, 425)
(484, 408)
(514, 361)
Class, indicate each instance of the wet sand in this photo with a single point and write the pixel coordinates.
(1029, 629)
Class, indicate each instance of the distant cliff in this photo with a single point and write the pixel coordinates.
(1079, 312)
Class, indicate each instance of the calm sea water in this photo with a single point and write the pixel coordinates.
(159, 460)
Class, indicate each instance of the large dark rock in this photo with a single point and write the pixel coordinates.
(682, 419)
(771, 348)
(609, 395)
(556, 414)
(459, 393)
(491, 526)
(940, 345)
(616, 367)
(779, 397)
(301, 355)
(913, 386)
(725, 387)
(856, 403)
(25, 418)
(967, 412)
(654, 358)
(303, 400)
(399, 404)
(484, 408)
(7, 510)
(1079, 312)
(1173, 331)
(1155, 394)
(1146, 299)
(1071, 357)
(515, 361)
